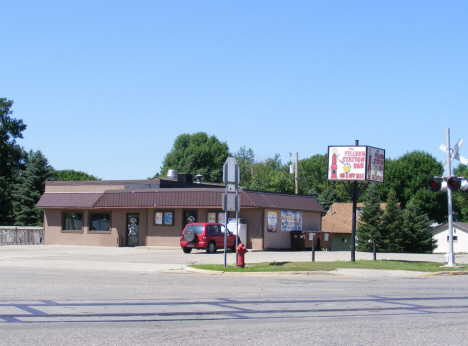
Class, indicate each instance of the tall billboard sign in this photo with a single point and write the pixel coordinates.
(356, 163)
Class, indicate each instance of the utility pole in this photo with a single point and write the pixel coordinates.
(296, 176)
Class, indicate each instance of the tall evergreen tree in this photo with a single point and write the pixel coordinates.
(392, 231)
(30, 187)
(11, 157)
(416, 225)
(327, 197)
(369, 227)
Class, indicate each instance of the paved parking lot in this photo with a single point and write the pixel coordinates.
(157, 259)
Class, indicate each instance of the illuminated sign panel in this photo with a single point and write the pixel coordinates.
(356, 163)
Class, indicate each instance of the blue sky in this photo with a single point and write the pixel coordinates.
(105, 87)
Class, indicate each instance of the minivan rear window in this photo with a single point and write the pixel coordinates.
(198, 229)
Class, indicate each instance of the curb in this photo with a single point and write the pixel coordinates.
(282, 273)
(464, 272)
(312, 273)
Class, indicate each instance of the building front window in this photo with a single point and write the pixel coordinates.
(100, 222)
(72, 221)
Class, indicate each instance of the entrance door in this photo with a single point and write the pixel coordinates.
(190, 216)
(132, 229)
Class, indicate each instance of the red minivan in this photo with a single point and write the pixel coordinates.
(209, 236)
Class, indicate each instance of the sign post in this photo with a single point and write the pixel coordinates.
(352, 165)
(451, 155)
(231, 202)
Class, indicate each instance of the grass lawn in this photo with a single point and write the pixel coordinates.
(327, 266)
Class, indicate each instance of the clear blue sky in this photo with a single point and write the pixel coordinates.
(105, 87)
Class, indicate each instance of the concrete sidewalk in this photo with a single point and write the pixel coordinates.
(163, 259)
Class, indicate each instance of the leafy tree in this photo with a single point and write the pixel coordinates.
(313, 178)
(312, 174)
(416, 225)
(394, 238)
(11, 157)
(245, 159)
(460, 198)
(369, 225)
(197, 154)
(72, 175)
(30, 187)
(271, 175)
(408, 176)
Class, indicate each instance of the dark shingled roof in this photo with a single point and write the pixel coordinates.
(68, 200)
(177, 198)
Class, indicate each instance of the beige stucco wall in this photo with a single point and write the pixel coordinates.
(53, 234)
(282, 239)
(254, 220)
(160, 235)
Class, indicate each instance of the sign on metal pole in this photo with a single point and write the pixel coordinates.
(356, 163)
(353, 165)
(231, 172)
(230, 199)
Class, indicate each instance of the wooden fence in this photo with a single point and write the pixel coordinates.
(21, 235)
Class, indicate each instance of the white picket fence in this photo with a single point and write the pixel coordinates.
(21, 235)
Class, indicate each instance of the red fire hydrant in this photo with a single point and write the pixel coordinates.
(241, 250)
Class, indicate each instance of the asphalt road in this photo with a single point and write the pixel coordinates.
(143, 296)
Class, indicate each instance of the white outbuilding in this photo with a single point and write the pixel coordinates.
(460, 238)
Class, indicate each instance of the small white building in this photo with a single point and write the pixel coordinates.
(460, 238)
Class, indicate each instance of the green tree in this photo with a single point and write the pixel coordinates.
(267, 179)
(408, 176)
(11, 157)
(369, 225)
(272, 176)
(313, 178)
(416, 225)
(72, 175)
(30, 187)
(394, 239)
(245, 160)
(197, 154)
(460, 198)
(327, 197)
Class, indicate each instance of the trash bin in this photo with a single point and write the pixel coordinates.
(297, 240)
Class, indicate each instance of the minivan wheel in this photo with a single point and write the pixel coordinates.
(211, 248)
(187, 249)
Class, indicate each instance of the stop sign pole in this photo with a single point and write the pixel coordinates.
(230, 202)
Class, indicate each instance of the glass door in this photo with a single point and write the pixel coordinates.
(190, 216)
(132, 229)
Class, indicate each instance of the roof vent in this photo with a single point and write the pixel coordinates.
(172, 174)
(199, 177)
